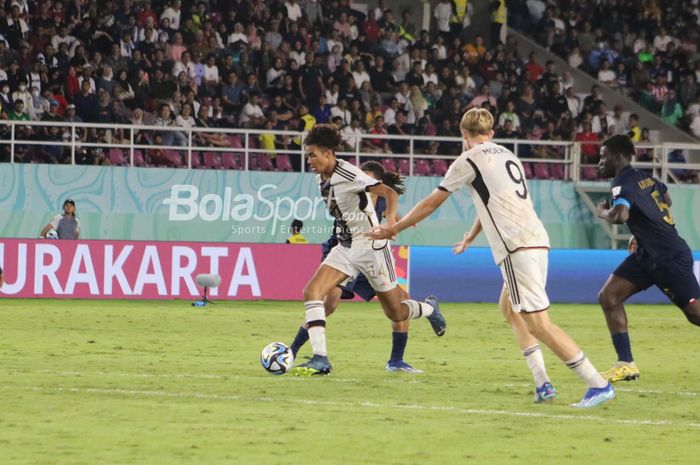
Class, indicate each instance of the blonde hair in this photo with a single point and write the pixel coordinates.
(477, 121)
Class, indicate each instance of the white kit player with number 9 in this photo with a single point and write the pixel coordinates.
(520, 245)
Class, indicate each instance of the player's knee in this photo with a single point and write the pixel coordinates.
(607, 299)
(692, 313)
(311, 293)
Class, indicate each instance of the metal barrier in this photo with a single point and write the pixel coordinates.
(563, 153)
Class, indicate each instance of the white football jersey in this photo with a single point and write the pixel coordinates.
(348, 201)
(501, 196)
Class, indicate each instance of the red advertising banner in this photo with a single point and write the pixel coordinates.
(159, 270)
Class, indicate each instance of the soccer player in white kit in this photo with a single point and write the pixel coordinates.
(346, 189)
(516, 235)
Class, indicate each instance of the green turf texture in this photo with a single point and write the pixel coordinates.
(96, 382)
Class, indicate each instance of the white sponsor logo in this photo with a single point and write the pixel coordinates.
(186, 205)
(616, 191)
(101, 270)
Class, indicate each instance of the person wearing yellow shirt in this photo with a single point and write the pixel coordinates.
(635, 131)
(498, 19)
(296, 237)
(267, 140)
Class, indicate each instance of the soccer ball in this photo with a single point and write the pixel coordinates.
(277, 358)
(52, 234)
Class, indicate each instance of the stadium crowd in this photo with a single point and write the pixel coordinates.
(647, 50)
(279, 65)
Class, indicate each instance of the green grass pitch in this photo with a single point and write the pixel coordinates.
(97, 382)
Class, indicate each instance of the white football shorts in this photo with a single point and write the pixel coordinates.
(376, 265)
(525, 277)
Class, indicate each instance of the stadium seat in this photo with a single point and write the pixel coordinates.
(440, 167)
(116, 156)
(422, 168)
(139, 159)
(541, 171)
(173, 158)
(557, 171)
(196, 160)
(589, 173)
(284, 163)
(252, 161)
(231, 161)
(389, 165)
(404, 166)
(265, 162)
(212, 160)
(527, 168)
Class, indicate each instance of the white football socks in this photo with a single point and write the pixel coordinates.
(316, 324)
(585, 369)
(417, 309)
(535, 362)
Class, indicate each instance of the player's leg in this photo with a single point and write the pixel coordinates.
(530, 348)
(525, 273)
(330, 303)
(325, 279)
(378, 268)
(399, 340)
(677, 280)
(627, 279)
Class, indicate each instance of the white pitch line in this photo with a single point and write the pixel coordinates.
(366, 404)
(393, 379)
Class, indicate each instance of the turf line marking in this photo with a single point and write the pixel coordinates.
(401, 379)
(366, 404)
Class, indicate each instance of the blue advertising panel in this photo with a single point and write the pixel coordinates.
(575, 276)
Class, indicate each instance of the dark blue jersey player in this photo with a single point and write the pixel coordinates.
(662, 257)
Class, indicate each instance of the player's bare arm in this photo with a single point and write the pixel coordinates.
(392, 200)
(422, 210)
(619, 214)
(469, 237)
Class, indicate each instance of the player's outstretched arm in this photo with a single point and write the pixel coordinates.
(392, 200)
(619, 214)
(422, 210)
(469, 237)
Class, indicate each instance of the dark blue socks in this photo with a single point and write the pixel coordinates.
(299, 340)
(398, 346)
(621, 341)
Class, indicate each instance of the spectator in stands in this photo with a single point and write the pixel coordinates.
(252, 115)
(619, 120)
(601, 121)
(400, 128)
(606, 75)
(671, 110)
(635, 131)
(532, 70)
(588, 151)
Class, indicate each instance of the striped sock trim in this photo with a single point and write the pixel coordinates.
(315, 313)
(531, 350)
(576, 361)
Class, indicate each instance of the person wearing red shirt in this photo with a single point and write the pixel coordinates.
(589, 151)
(370, 28)
(145, 13)
(533, 70)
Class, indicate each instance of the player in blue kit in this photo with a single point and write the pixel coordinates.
(662, 257)
(361, 286)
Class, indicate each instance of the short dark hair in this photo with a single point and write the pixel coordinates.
(620, 144)
(297, 225)
(324, 135)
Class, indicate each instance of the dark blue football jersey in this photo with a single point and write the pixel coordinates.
(650, 218)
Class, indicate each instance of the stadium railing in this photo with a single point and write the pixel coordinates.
(563, 157)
